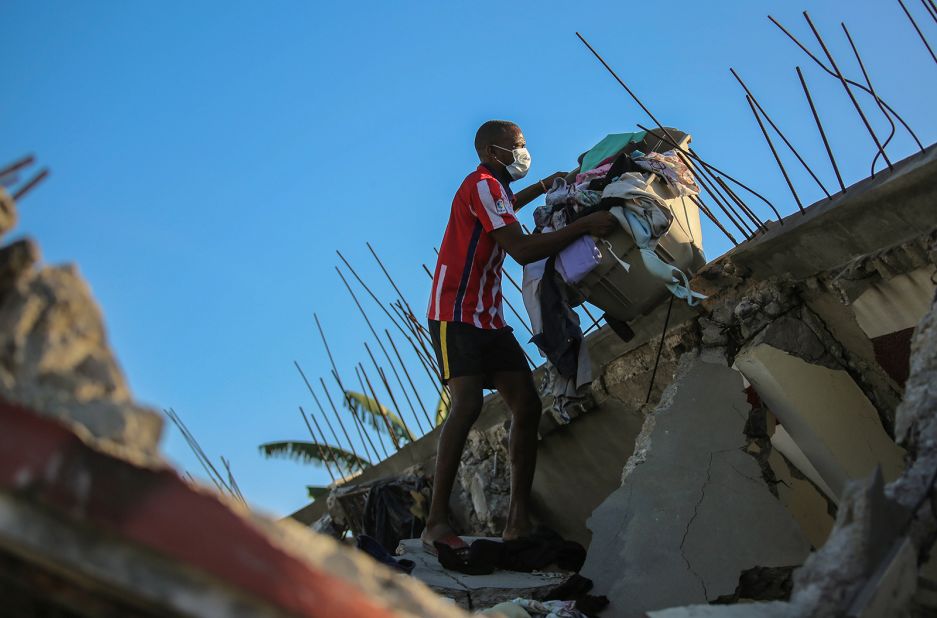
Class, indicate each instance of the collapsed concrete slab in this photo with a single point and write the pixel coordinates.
(693, 511)
(474, 592)
(815, 400)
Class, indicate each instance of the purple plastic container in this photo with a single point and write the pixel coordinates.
(578, 259)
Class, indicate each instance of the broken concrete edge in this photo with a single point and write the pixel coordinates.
(56, 357)
(862, 564)
(45, 466)
(881, 210)
(474, 592)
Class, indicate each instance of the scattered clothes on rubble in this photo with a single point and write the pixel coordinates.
(536, 552)
(577, 589)
(529, 608)
(374, 549)
(388, 513)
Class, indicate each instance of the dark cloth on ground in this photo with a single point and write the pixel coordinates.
(374, 549)
(387, 515)
(577, 588)
(533, 553)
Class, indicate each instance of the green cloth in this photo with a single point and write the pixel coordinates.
(610, 145)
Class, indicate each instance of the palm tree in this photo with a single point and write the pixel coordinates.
(378, 416)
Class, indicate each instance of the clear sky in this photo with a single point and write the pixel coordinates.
(208, 159)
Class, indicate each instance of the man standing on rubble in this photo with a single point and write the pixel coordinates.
(474, 346)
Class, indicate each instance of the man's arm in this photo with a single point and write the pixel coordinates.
(526, 196)
(530, 248)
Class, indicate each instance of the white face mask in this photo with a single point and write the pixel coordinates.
(517, 169)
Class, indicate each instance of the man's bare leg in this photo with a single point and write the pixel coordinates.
(518, 390)
(466, 392)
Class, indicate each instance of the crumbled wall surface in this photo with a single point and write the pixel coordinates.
(55, 357)
(693, 510)
(94, 523)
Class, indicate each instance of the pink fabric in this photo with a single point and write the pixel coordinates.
(597, 172)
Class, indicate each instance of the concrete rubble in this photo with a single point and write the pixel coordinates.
(477, 591)
(94, 523)
(716, 518)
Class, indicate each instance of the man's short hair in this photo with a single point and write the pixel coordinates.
(491, 132)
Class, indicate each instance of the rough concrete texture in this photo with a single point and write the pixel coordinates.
(474, 592)
(869, 521)
(482, 494)
(916, 427)
(7, 212)
(54, 354)
(814, 404)
(693, 511)
(747, 610)
(896, 303)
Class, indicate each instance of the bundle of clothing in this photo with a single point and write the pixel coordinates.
(613, 176)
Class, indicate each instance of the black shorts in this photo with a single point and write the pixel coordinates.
(465, 350)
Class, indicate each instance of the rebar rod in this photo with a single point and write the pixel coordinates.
(351, 444)
(918, 30)
(816, 117)
(420, 350)
(742, 205)
(325, 441)
(351, 408)
(368, 290)
(380, 408)
(357, 423)
(196, 449)
(413, 330)
(364, 393)
(31, 184)
(931, 7)
(368, 321)
(660, 125)
(407, 374)
(387, 274)
(878, 101)
(778, 131)
(745, 231)
(709, 215)
(774, 152)
(328, 351)
(390, 393)
(315, 441)
(231, 480)
(713, 188)
(17, 165)
(712, 168)
(845, 84)
(810, 55)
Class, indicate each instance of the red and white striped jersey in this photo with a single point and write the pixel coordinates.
(467, 281)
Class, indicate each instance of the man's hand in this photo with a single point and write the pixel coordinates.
(548, 181)
(600, 224)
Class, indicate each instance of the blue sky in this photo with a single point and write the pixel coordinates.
(209, 158)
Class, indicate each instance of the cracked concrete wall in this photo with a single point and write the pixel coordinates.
(693, 511)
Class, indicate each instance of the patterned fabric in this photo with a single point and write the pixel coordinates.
(672, 169)
(467, 280)
(550, 609)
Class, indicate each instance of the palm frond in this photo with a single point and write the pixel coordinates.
(371, 410)
(311, 452)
